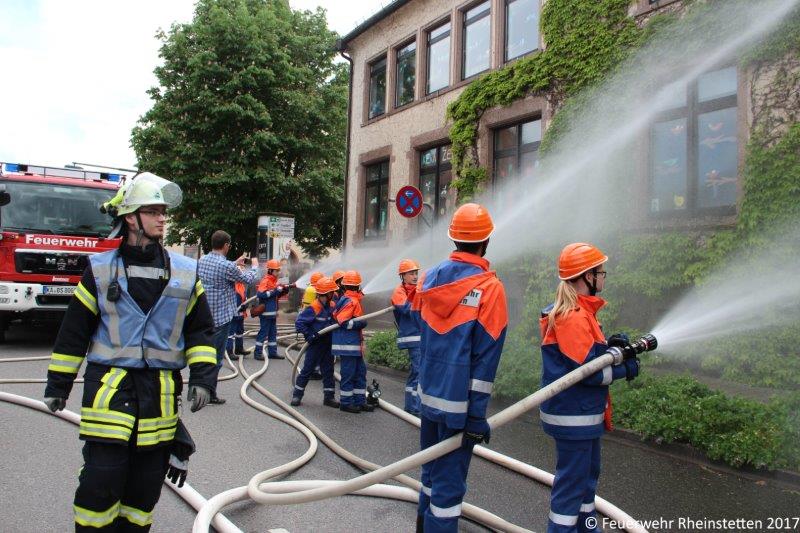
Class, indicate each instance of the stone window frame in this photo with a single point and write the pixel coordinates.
(691, 112)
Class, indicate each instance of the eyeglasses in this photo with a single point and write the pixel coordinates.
(601, 274)
(153, 212)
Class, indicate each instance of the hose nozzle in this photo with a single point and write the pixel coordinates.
(647, 343)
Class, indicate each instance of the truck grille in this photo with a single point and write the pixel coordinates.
(64, 263)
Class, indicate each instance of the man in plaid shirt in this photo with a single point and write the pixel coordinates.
(219, 277)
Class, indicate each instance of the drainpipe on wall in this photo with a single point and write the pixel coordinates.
(349, 59)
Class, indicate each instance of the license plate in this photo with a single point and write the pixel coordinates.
(59, 290)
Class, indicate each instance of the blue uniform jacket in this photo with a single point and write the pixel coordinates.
(313, 319)
(583, 410)
(268, 293)
(463, 320)
(348, 340)
(408, 331)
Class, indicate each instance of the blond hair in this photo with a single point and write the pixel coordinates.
(566, 301)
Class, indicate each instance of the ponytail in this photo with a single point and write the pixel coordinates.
(566, 301)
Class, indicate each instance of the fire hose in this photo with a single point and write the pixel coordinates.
(603, 506)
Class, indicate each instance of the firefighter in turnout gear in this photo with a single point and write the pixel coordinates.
(138, 317)
(407, 321)
(348, 344)
(578, 416)
(269, 290)
(310, 321)
(463, 323)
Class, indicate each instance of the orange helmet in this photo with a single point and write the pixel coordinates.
(339, 274)
(407, 265)
(325, 286)
(471, 223)
(351, 278)
(577, 258)
(273, 264)
(315, 276)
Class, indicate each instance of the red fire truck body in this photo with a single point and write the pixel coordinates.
(48, 229)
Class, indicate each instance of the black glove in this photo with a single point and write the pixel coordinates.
(177, 470)
(477, 430)
(55, 404)
(631, 368)
(620, 340)
(199, 396)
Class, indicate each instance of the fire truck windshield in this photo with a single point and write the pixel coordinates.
(56, 209)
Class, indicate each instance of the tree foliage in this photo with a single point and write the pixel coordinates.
(249, 117)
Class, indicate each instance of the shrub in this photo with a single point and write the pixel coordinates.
(382, 350)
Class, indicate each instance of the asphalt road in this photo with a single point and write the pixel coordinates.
(41, 458)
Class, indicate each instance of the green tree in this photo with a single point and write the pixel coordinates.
(249, 117)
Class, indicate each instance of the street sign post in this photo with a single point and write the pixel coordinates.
(409, 201)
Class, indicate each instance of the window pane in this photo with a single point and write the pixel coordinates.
(532, 132)
(428, 158)
(671, 96)
(717, 158)
(372, 211)
(373, 173)
(477, 10)
(406, 74)
(505, 139)
(427, 185)
(447, 196)
(438, 32)
(529, 161)
(382, 212)
(668, 166)
(477, 37)
(505, 168)
(716, 84)
(522, 27)
(446, 154)
(377, 89)
(439, 63)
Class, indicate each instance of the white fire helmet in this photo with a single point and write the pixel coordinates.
(148, 189)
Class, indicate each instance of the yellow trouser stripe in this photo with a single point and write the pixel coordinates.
(149, 424)
(69, 364)
(201, 354)
(86, 298)
(88, 518)
(136, 516)
(110, 381)
(110, 417)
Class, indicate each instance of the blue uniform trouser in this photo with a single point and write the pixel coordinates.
(236, 335)
(317, 355)
(353, 387)
(574, 487)
(268, 332)
(412, 398)
(444, 480)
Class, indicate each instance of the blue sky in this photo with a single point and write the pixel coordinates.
(75, 73)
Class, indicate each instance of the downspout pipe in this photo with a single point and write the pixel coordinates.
(340, 47)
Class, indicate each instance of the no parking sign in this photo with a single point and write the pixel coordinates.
(409, 201)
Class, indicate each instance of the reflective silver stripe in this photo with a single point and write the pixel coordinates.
(136, 516)
(259, 344)
(146, 272)
(563, 519)
(329, 390)
(346, 347)
(136, 352)
(350, 324)
(412, 338)
(345, 393)
(272, 344)
(103, 275)
(188, 281)
(103, 430)
(269, 313)
(426, 490)
(321, 319)
(446, 512)
(299, 387)
(571, 420)
(587, 507)
(480, 386)
(104, 415)
(88, 518)
(442, 404)
(359, 391)
(608, 376)
(409, 389)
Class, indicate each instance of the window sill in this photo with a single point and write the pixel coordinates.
(644, 7)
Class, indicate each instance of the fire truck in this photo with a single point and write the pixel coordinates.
(50, 224)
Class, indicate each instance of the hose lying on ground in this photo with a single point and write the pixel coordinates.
(603, 506)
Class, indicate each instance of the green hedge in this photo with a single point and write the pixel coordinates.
(382, 350)
(734, 430)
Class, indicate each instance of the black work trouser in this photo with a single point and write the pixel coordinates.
(119, 486)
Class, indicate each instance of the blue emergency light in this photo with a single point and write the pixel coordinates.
(12, 167)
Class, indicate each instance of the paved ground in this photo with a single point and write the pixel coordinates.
(41, 458)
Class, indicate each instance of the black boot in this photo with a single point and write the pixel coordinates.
(349, 408)
(295, 401)
(330, 402)
(367, 407)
